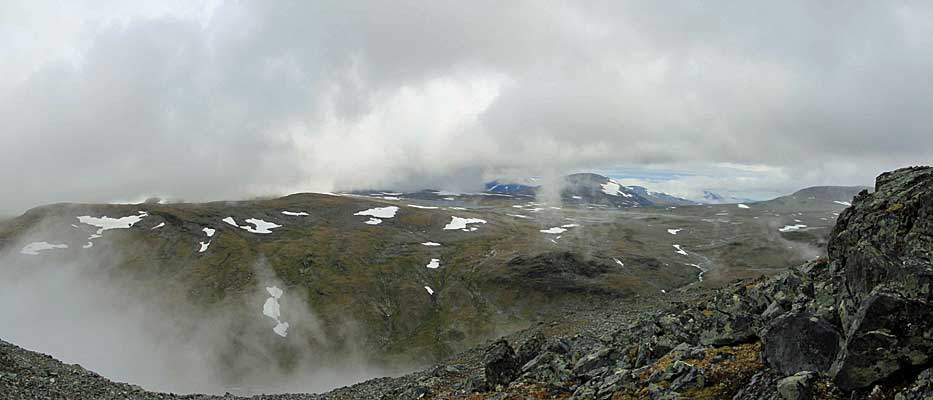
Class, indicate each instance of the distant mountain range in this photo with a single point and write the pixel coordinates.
(594, 189)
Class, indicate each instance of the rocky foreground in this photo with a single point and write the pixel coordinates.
(857, 325)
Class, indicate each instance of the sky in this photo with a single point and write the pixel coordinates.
(207, 100)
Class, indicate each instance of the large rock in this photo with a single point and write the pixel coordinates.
(797, 387)
(889, 333)
(500, 364)
(800, 342)
(886, 237)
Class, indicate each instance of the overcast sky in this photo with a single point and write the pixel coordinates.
(116, 100)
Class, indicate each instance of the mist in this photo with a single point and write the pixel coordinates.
(210, 100)
(80, 310)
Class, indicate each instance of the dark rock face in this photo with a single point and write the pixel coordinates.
(889, 333)
(800, 342)
(882, 248)
(530, 349)
(500, 364)
(886, 237)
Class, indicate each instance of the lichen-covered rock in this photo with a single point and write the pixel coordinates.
(797, 387)
(530, 349)
(886, 237)
(798, 342)
(920, 389)
(889, 333)
(500, 364)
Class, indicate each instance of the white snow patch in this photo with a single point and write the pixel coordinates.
(209, 232)
(791, 228)
(430, 291)
(434, 264)
(431, 244)
(702, 271)
(390, 198)
(373, 221)
(422, 207)
(272, 309)
(845, 203)
(107, 223)
(161, 224)
(88, 245)
(674, 231)
(295, 214)
(621, 264)
(281, 329)
(260, 226)
(204, 246)
(611, 188)
(461, 223)
(570, 225)
(518, 216)
(577, 197)
(680, 250)
(34, 248)
(554, 230)
(274, 291)
(380, 212)
(743, 206)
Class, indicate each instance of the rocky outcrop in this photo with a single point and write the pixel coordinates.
(500, 364)
(882, 247)
(797, 342)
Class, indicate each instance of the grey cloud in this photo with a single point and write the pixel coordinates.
(273, 97)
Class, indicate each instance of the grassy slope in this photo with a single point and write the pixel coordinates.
(367, 281)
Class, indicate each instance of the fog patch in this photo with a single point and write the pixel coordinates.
(79, 307)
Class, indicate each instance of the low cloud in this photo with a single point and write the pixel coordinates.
(222, 100)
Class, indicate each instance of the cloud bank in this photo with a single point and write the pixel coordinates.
(222, 100)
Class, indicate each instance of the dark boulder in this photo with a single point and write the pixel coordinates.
(800, 342)
(500, 364)
(531, 348)
(889, 333)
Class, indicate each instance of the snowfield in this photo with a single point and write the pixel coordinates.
(33, 249)
(295, 214)
(258, 225)
(380, 212)
(272, 309)
(680, 250)
(791, 228)
(461, 223)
